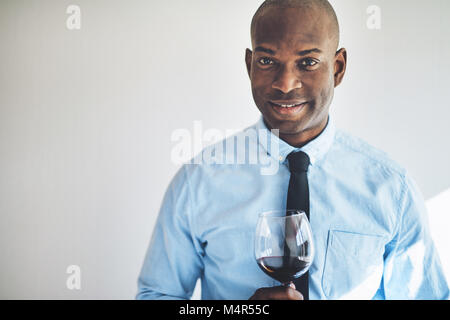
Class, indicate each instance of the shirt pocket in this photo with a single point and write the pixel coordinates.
(353, 265)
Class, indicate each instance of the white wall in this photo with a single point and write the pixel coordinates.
(87, 115)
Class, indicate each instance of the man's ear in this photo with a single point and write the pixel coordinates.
(248, 60)
(340, 65)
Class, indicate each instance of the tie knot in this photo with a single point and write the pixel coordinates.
(298, 161)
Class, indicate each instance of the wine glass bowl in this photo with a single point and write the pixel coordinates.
(284, 247)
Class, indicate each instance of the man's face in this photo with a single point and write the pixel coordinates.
(293, 70)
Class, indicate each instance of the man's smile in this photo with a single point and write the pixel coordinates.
(287, 107)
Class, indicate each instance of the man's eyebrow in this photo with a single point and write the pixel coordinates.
(300, 53)
(262, 49)
(305, 52)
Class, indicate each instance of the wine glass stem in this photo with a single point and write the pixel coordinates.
(288, 284)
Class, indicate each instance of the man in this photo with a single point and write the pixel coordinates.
(367, 215)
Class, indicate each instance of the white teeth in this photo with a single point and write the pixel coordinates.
(288, 105)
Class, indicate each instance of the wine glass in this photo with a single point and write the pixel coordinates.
(284, 247)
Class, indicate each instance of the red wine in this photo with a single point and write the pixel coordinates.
(283, 269)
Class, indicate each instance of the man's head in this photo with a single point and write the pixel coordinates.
(294, 62)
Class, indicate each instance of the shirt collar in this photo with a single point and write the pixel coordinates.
(315, 149)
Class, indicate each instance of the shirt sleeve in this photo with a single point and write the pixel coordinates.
(173, 261)
(412, 267)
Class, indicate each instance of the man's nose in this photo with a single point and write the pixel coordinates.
(287, 80)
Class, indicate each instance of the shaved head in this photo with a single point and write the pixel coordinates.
(322, 6)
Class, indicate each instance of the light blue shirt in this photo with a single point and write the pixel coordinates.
(368, 219)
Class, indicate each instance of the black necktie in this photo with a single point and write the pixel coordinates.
(298, 198)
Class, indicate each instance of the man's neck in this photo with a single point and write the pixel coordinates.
(300, 139)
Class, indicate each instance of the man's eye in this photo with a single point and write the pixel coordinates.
(266, 61)
(308, 62)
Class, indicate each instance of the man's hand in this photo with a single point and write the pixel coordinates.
(277, 293)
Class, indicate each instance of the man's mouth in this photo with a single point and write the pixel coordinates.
(287, 107)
